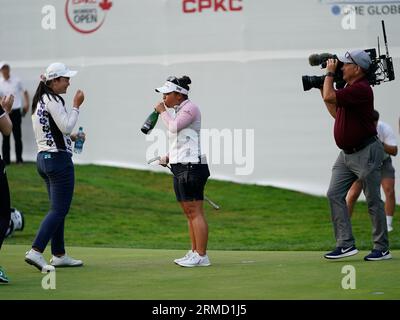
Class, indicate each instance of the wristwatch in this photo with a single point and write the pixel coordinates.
(330, 74)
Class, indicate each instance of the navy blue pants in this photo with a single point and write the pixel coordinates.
(57, 170)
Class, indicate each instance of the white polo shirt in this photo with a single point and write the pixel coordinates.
(386, 135)
(12, 86)
(53, 125)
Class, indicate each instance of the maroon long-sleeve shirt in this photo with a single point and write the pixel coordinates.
(354, 121)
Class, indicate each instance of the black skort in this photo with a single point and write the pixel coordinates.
(189, 180)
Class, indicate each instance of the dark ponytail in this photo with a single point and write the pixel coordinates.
(184, 82)
(42, 89)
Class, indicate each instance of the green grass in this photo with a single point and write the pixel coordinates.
(148, 274)
(115, 207)
(265, 243)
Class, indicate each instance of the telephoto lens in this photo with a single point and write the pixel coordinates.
(310, 82)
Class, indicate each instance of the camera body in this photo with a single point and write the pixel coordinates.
(310, 82)
(381, 69)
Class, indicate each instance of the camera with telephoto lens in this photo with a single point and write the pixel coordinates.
(310, 82)
(381, 69)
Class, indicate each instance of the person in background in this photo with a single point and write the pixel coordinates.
(5, 211)
(53, 126)
(11, 85)
(387, 137)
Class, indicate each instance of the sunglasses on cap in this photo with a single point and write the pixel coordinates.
(348, 56)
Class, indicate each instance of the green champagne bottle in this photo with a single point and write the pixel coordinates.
(150, 122)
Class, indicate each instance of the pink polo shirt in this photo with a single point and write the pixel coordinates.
(183, 133)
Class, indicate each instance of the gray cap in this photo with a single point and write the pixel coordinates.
(359, 57)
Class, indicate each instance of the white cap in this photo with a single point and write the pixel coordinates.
(3, 63)
(169, 87)
(58, 69)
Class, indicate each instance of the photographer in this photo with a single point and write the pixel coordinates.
(361, 154)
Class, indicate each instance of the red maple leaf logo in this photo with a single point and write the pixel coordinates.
(105, 5)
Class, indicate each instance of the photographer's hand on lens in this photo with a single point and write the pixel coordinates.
(331, 65)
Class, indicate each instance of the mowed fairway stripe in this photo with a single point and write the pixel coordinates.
(114, 273)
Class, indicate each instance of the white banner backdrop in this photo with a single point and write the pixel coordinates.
(245, 58)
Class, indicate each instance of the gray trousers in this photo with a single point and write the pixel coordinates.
(366, 166)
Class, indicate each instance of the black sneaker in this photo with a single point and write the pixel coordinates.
(341, 252)
(376, 255)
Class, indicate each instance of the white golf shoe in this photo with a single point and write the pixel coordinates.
(195, 260)
(187, 256)
(36, 259)
(65, 261)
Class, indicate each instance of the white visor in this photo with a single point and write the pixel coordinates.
(169, 87)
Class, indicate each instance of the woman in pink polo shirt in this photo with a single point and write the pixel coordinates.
(190, 173)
